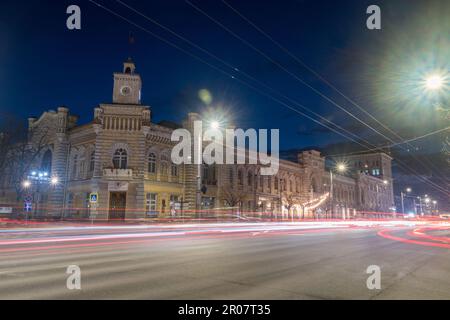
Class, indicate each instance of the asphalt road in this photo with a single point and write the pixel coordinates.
(230, 261)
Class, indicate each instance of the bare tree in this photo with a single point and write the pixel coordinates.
(19, 151)
(232, 196)
(290, 200)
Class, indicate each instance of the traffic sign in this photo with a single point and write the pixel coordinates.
(28, 207)
(93, 197)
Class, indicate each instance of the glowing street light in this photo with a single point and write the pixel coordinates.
(215, 125)
(26, 184)
(402, 196)
(434, 82)
(341, 167)
(54, 181)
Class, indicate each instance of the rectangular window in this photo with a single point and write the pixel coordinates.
(151, 203)
(175, 202)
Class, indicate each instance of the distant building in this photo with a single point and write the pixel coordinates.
(124, 159)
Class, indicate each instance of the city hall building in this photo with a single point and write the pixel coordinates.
(119, 166)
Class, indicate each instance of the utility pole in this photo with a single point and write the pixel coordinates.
(402, 201)
(331, 195)
(420, 205)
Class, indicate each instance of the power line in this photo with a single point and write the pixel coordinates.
(218, 69)
(302, 63)
(398, 143)
(293, 75)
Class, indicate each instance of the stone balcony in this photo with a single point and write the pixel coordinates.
(118, 174)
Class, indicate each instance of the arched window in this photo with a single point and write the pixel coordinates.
(152, 163)
(74, 166)
(240, 178)
(314, 185)
(250, 179)
(120, 159)
(164, 157)
(174, 170)
(92, 162)
(164, 164)
(164, 168)
(46, 164)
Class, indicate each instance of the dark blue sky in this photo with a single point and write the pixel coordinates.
(44, 65)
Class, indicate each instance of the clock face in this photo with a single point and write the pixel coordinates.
(125, 91)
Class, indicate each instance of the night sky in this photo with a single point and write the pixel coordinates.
(44, 65)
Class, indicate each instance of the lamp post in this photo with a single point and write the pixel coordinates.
(402, 197)
(213, 125)
(39, 178)
(341, 168)
(420, 205)
(434, 81)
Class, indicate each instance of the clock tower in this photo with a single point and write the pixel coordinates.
(127, 85)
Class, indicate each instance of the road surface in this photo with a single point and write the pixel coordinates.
(305, 260)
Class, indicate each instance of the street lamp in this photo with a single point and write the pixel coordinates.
(434, 82)
(340, 167)
(40, 178)
(215, 125)
(402, 197)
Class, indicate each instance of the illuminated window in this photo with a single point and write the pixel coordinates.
(152, 163)
(151, 202)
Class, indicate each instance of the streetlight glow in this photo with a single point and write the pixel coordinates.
(215, 125)
(54, 181)
(434, 82)
(408, 190)
(26, 184)
(341, 167)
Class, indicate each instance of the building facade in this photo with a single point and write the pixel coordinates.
(119, 166)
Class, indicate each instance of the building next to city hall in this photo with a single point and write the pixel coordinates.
(119, 166)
